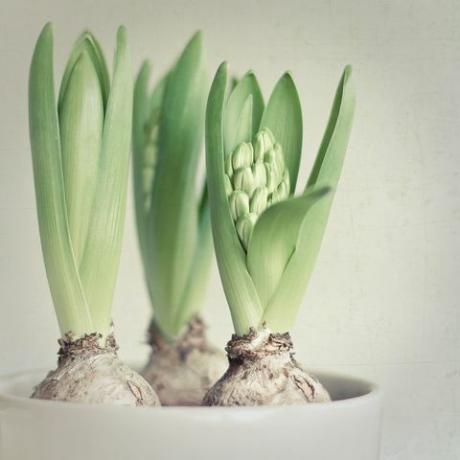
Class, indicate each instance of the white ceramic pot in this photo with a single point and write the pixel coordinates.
(346, 429)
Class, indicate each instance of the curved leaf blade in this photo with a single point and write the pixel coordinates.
(283, 307)
(283, 116)
(239, 289)
(234, 133)
(173, 218)
(81, 123)
(156, 98)
(87, 42)
(244, 130)
(99, 266)
(141, 112)
(198, 277)
(274, 240)
(329, 160)
(66, 290)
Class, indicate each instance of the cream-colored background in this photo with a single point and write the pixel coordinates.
(383, 301)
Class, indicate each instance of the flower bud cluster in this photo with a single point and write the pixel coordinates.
(255, 178)
(151, 129)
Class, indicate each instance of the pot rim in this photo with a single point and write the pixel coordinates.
(372, 393)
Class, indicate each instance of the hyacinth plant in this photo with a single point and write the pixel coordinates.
(173, 226)
(80, 151)
(266, 239)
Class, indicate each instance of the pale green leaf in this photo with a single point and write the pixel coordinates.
(331, 154)
(239, 289)
(141, 107)
(146, 113)
(81, 123)
(141, 112)
(283, 116)
(99, 266)
(195, 290)
(282, 310)
(246, 87)
(173, 219)
(156, 98)
(68, 296)
(274, 240)
(244, 130)
(88, 43)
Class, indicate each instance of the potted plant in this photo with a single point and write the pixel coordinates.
(80, 152)
(173, 227)
(266, 239)
(265, 261)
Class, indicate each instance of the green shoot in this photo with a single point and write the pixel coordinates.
(172, 222)
(267, 240)
(80, 152)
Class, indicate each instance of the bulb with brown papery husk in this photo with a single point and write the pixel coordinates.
(182, 371)
(90, 371)
(263, 372)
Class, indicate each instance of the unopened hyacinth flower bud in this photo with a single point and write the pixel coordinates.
(258, 178)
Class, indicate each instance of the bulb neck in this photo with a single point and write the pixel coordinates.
(194, 337)
(260, 345)
(87, 345)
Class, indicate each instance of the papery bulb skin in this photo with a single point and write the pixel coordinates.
(263, 372)
(91, 372)
(181, 371)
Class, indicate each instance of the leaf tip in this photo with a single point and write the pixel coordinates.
(86, 35)
(146, 67)
(347, 83)
(46, 34)
(122, 35)
(47, 29)
(288, 79)
(197, 38)
(347, 71)
(194, 45)
(223, 68)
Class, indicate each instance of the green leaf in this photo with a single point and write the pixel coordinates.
(81, 124)
(274, 240)
(233, 82)
(68, 296)
(156, 98)
(173, 220)
(244, 130)
(282, 307)
(234, 134)
(282, 310)
(331, 154)
(141, 111)
(198, 277)
(87, 42)
(141, 107)
(283, 116)
(239, 289)
(99, 266)
(146, 113)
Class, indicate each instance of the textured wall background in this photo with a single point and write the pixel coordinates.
(383, 302)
